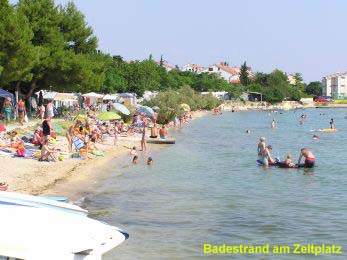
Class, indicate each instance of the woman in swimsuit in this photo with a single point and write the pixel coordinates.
(21, 111)
(8, 110)
(261, 147)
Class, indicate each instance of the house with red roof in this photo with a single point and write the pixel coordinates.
(230, 74)
(196, 68)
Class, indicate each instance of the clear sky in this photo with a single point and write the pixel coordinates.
(307, 36)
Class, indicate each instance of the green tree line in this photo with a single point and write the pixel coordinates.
(48, 46)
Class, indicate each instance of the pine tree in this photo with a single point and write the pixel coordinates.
(244, 75)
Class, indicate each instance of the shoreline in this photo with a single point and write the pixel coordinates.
(33, 177)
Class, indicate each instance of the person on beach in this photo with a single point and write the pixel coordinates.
(47, 152)
(21, 111)
(154, 131)
(261, 147)
(50, 109)
(266, 157)
(143, 139)
(70, 134)
(133, 151)
(42, 110)
(273, 124)
(46, 129)
(7, 110)
(332, 124)
(135, 159)
(149, 161)
(309, 158)
(163, 132)
(37, 138)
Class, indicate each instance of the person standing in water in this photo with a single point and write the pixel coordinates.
(332, 124)
(309, 158)
(266, 157)
(261, 147)
(143, 139)
(273, 124)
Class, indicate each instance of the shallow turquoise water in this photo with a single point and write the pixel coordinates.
(208, 189)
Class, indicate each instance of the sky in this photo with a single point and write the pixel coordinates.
(306, 36)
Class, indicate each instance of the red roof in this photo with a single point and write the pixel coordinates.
(228, 69)
(235, 81)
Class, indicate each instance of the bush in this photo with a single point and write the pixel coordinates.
(169, 102)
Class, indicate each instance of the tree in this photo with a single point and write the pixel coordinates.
(299, 83)
(161, 63)
(244, 74)
(314, 88)
(17, 54)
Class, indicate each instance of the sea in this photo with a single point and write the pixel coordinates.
(209, 189)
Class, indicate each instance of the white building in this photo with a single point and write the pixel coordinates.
(196, 68)
(335, 85)
(230, 74)
(291, 79)
(221, 95)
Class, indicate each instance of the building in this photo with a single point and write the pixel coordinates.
(167, 66)
(335, 85)
(196, 68)
(230, 74)
(221, 95)
(291, 79)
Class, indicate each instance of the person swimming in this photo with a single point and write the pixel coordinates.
(133, 151)
(135, 159)
(149, 161)
(315, 137)
(273, 125)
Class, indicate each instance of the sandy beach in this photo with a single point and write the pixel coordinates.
(34, 177)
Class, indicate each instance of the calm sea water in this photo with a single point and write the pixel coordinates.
(208, 189)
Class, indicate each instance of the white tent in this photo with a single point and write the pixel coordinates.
(93, 95)
(111, 97)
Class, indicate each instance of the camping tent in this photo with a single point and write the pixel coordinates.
(6, 94)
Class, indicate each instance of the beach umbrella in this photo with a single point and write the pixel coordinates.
(145, 110)
(80, 116)
(121, 108)
(155, 108)
(106, 116)
(2, 128)
(185, 107)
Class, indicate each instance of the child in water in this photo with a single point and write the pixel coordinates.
(289, 161)
(133, 151)
(135, 159)
(149, 161)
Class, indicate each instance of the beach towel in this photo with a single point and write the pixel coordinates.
(78, 143)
